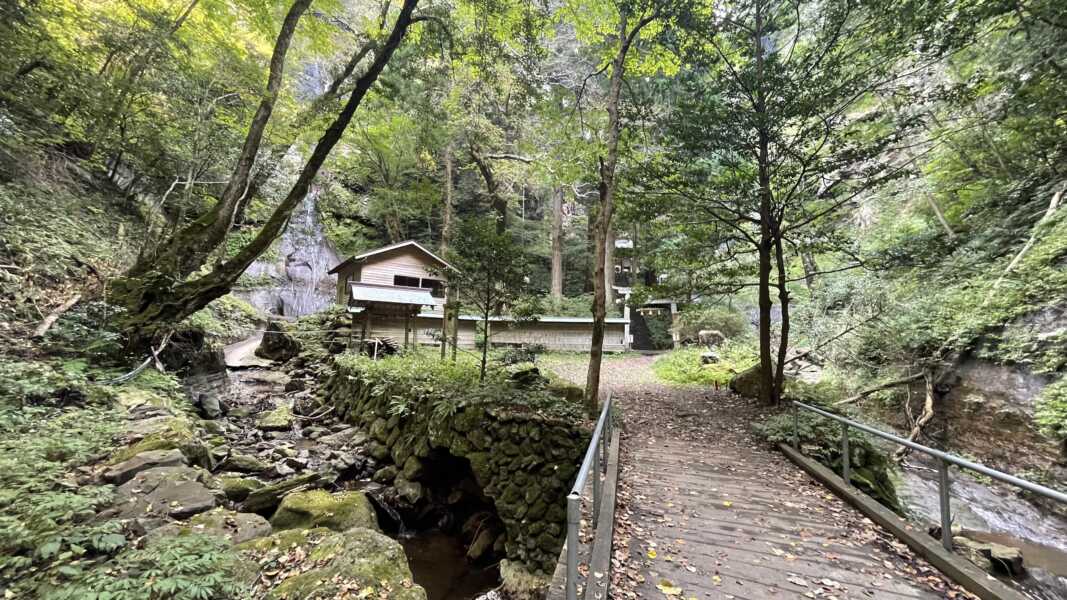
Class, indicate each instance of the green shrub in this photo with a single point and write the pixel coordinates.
(731, 322)
(682, 365)
(1050, 412)
(422, 381)
(659, 331)
(820, 438)
(185, 567)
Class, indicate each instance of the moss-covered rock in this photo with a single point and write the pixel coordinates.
(177, 433)
(244, 463)
(332, 564)
(279, 419)
(238, 488)
(318, 508)
(232, 526)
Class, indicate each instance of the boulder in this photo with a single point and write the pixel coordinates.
(210, 406)
(277, 344)
(711, 337)
(411, 491)
(238, 488)
(709, 358)
(413, 468)
(125, 470)
(350, 436)
(268, 497)
(747, 382)
(176, 433)
(244, 463)
(279, 419)
(385, 474)
(138, 429)
(331, 565)
(318, 508)
(991, 557)
(176, 492)
(232, 526)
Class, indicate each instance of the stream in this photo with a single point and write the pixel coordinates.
(991, 512)
(301, 283)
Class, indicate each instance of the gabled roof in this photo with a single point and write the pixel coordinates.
(362, 292)
(362, 257)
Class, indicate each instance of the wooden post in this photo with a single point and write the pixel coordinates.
(407, 328)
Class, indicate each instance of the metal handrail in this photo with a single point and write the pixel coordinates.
(944, 460)
(591, 463)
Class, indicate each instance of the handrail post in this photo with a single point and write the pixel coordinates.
(943, 489)
(573, 518)
(796, 427)
(846, 467)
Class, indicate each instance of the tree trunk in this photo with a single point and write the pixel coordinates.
(609, 267)
(766, 242)
(492, 189)
(154, 299)
(557, 244)
(783, 300)
(606, 191)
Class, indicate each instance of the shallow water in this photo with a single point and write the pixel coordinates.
(439, 564)
(988, 512)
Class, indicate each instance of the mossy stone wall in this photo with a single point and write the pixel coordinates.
(524, 462)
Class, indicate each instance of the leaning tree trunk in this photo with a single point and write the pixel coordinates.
(182, 253)
(160, 302)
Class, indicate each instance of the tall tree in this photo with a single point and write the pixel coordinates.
(154, 296)
(631, 20)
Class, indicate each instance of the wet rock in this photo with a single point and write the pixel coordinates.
(349, 436)
(385, 474)
(238, 488)
(411, 491)
(244, 463)
(279, 419)
(342, 562)
(991, 557)
(339, 511)
(277, 344)
(481, 546)
(233, 526)
(177, 492)
(210, 406)
(413, 468)
(281, 470)
(268, 497)
(125, 470)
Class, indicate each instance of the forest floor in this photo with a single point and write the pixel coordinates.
(708, 510)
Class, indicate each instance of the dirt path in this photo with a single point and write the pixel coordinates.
(706, 510)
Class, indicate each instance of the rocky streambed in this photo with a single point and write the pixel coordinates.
(292, 492)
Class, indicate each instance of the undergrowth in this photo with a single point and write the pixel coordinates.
(682, 366)
(57, 417)
(420, 381)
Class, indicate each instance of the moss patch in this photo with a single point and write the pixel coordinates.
(318, 508)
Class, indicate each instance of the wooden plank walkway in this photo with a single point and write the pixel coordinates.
(708, 511)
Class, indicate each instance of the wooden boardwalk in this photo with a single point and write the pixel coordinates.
(709, 511)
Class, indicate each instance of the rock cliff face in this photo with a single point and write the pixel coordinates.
(989, 412)
(523, 463)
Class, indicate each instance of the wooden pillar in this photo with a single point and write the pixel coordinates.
(407, 328)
